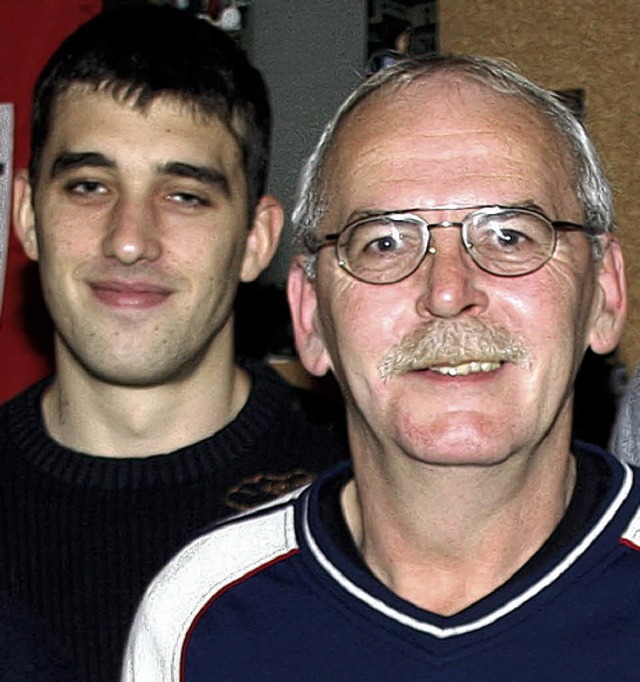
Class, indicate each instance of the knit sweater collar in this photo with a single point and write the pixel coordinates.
(26, 431)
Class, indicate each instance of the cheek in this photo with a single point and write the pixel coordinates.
(59, 254)
(359, 323)
(554, 317)
(223, 250)
(211, 259)
(66, 239)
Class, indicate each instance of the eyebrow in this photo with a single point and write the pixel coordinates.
(362, 214)
(66, 161)
(529, 204)
(205, 174)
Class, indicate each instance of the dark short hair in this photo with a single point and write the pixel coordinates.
(141, 53)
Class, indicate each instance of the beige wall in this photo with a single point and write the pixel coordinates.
(566, 44)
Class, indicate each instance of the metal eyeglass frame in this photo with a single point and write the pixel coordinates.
(315, 244)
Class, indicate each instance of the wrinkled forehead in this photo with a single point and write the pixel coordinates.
(446, 128)
(440, 101)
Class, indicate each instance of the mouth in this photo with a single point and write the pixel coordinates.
(466, 368)
(454, 349)
(130, 294)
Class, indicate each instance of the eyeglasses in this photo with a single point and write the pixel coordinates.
(388, 247)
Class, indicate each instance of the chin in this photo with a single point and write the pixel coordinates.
(474, 442)
(133, 374)
(461, 457)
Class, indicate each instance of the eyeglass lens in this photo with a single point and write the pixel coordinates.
(385, 249)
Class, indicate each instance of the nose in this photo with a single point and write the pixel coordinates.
(452, 282)
(132, 234)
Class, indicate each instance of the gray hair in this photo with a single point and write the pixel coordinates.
(592, 188)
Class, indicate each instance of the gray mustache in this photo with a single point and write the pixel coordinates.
(452, 343)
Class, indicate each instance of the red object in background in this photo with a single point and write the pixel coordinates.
(30, 30)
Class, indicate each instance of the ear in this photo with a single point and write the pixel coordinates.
(607, 327)
(24, 219)
(263, 238)
(303, 304)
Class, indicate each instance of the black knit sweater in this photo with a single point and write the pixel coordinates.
(27, 653)
(81, 536)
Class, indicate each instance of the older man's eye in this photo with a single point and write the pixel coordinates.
(369, 244)
(507, 239)
(386, 244)
(382, 239)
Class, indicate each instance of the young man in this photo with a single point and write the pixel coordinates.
(469, 263)
(144, 206)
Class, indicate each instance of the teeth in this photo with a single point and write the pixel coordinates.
(466, 368)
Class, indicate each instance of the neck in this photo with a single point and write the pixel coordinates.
(445, 538)
(99, 418)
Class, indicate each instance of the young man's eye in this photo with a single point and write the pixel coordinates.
(85, 187)
(189, 199)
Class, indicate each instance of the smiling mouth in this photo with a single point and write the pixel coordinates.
(454, 349)
(133, 295)
(465, 368)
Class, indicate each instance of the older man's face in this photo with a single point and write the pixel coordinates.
(433, 145)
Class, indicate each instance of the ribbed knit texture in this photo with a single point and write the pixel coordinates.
(81, 536)
(26, 652)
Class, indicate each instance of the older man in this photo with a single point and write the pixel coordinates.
(470, 263)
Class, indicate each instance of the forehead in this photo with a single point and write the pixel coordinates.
(447, 141)
(83, 114)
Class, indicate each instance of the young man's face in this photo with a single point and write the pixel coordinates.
(140, 227)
